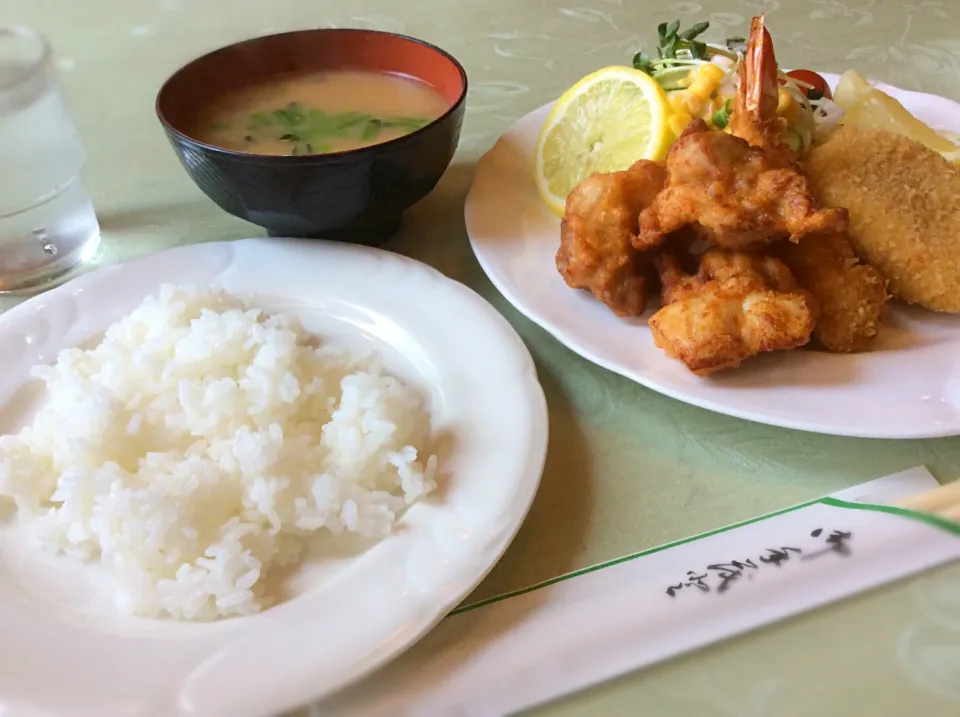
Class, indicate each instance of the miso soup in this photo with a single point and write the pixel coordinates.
(321, 112)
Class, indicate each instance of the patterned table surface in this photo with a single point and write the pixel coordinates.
(627, 468)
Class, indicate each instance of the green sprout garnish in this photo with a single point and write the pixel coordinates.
(721, 118)
(676, 48)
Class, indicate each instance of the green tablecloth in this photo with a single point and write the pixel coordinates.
(627, 468)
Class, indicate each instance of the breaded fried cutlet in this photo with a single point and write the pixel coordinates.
(851, 296)
(903, 201)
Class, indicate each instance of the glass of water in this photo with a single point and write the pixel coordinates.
(47, 222)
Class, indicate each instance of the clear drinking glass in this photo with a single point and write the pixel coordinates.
(47, 222)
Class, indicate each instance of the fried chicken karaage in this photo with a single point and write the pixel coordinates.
(851, 296)
(596, 251)
(775, 268)
(740, 190)
(736, 306)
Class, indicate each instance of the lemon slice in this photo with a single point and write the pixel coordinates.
(604, 123)
(867, 107)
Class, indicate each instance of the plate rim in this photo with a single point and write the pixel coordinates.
(485, 554)
(575, 344)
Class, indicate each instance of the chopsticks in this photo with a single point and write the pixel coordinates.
(943, 502)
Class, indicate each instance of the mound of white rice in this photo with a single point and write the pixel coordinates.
(200, 441)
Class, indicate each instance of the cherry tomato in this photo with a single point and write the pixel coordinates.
(812, 78)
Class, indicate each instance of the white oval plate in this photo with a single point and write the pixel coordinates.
(65, 652)
(907, 386)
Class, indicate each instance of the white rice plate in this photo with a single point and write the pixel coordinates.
(201, 441)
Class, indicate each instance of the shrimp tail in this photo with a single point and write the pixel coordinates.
(754, 116)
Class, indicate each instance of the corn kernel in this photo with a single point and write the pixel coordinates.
(678, 122)
(683, 101)
(784, 102)
(711, 73)
(707, 110)
(677, 100)
(790, 114)
(700, 88)
(704, 80)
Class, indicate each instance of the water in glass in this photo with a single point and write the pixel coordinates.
(47, 221)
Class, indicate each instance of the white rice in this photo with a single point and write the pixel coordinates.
(200, 441)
